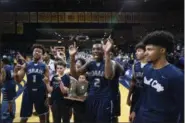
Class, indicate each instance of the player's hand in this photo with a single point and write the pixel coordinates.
(17, 68)
(73, 49)
(61, 55)
(62, 84)
(109, 44)
(19, 56)
(53, 50)
(46, 80)
(129, 102)
(58, 79)
(132, 117)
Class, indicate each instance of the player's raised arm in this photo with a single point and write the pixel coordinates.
(75, 72)
(72, 52)
(119, 68)
(109, 72)
(19, 72)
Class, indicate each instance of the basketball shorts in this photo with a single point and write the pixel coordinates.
(36, 97)
(6, 116)
(99, 110)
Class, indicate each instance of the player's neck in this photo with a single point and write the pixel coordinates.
(36, 61)
(143, 60)
(61, 74)
(162, 62)
(99, 60)
(83, 82)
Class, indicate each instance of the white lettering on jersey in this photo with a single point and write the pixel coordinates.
(33, 70)
(96, 73)
(154, 84)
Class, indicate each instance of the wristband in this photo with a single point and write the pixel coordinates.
(49, 95)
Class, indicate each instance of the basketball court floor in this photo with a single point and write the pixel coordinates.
(122, 118)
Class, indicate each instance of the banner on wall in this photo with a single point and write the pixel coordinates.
(101, 16)
(61, 17)
(128, 17)
(114, 17)
(44, 17)
(108, 17)
(88, 18)
(95, 17)
(33, 17)
(71, 17)
(54, 17)
(81, 17)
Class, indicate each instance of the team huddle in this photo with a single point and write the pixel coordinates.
(90, 90)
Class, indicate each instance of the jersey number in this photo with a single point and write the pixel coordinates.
(97, 82)
(34, 78)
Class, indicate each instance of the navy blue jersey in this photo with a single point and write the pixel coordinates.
(99, 86)
(162, 93)
(35, 74)
(56, 94)
(138, 78)
(8, 89)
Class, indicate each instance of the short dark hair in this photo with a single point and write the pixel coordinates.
(83, 75)
(160, 38)
(40, 46)
(81, 60)
(97, 42)
(60, 62)
(140, 45)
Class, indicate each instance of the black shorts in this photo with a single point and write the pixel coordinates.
(36, 97)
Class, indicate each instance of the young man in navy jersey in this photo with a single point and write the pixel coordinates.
(35, 92)
(136, 83)
(8, 91)
(59, 87)
(100, 71)
(162, 99)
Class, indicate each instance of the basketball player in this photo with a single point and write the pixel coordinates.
(35, 92)
(8, 91)
(136, 83)
(115, 92)
(59, 87)
(100, 72)
(162, 97)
